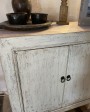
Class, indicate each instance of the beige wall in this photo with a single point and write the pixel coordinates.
(52, 8)
(47, 6)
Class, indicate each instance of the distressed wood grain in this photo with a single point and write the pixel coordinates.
(40, 74)
(77, 89)
(45, 47)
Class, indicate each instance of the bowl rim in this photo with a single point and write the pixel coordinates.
(17, 13)
(39, 13)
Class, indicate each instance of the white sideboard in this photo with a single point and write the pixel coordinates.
(2, 81)
(48, 71)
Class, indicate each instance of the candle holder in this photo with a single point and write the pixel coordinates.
(63, 15)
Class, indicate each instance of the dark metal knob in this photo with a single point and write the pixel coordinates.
(62, 79)
(68, 78)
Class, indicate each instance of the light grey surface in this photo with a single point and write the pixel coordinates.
(40, 74)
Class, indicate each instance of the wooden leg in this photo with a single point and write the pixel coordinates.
(6, 104)
(1, 101)
(88, 106)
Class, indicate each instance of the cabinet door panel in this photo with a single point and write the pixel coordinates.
(40, 72)
(78, 88)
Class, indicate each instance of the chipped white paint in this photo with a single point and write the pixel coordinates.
(40, 74)
(20, 57)
(78, 88)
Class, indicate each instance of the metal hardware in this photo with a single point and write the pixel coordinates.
(68, 78)
(63, 79)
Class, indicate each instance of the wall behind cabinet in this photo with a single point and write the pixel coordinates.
(48, 6)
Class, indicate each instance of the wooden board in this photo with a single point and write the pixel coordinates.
(54, 29)
(28, 27)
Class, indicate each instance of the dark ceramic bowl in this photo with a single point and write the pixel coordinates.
(38, 18)
(17, 18)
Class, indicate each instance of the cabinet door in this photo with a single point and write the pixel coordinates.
(78, 88)
(40, 73)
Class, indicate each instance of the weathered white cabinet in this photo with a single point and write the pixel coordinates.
(47, 73)
(78, 89)
(40, 73)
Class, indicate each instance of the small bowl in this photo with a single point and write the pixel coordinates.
(17, 18)
(38, 18)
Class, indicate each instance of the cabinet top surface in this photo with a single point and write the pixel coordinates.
(54, 29)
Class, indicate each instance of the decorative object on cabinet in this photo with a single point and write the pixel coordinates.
(63, 15)
(84, 17)
(39, 18)
(17, 18)
(22, 6)
(28, 27)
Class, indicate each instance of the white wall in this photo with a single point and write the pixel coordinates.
(52, 8)
(47, 6)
